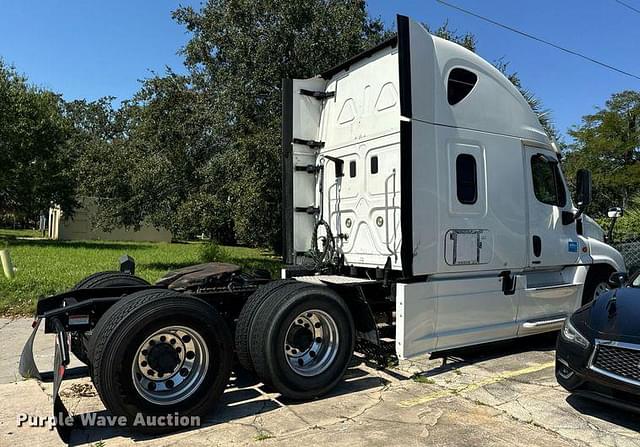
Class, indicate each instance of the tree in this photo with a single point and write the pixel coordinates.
(34, 151)
(201, 151)
(608, 144)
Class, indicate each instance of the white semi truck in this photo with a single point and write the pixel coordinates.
(422, 201)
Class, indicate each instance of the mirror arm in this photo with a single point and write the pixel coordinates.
(610, 230)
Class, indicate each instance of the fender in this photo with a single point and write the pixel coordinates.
(603, 253)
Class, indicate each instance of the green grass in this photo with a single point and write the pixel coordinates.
(422, 379)
(6, 233)
(47, 267)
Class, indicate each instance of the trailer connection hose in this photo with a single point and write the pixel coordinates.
(322, 257)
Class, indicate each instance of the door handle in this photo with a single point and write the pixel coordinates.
(537, 246)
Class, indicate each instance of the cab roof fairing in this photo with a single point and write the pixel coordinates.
(494, 105)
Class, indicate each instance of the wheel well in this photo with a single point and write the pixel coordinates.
(599, 271)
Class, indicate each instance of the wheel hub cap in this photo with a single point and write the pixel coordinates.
(163, 358)
(311, 342)
(170, 365)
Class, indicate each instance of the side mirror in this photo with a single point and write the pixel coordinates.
(618, 279)
(615, 212)
(583, 188)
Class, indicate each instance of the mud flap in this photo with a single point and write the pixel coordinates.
(64, 424)
(28, 368)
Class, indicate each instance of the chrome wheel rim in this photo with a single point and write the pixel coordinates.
(311, 343)
(600, 289)
(170, 365)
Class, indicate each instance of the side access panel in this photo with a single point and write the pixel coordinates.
(416, 305)
(301, 115)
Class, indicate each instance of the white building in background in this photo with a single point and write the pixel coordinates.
(81, 227)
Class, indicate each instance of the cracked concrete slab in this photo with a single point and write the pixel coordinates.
(504, 395)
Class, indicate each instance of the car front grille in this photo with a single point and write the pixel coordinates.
(623, 362)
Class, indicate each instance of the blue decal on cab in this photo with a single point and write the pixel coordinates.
(573, 247)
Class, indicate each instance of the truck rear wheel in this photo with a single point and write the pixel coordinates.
(302, 340)
(160, 353)
(246, 318)
(80, 340)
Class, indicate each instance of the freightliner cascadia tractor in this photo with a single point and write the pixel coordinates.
(424, 209)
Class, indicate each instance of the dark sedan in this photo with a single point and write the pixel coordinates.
(598, 352)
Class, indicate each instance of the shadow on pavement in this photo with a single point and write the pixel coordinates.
(244, 397)
(457, 358)
(601, 410)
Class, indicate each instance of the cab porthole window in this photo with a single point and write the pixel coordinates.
(460, 84)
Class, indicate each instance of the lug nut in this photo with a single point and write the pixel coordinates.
(163, 338)
(151, 372)
(145, 352)
(184, 372)
(312, 354)
(143, 363)
(191, 355)
(318, 325)
(318, 339)
(173, 341)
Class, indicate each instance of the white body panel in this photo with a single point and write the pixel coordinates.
(362, 122)
(405, 209)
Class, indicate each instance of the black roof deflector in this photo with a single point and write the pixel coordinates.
(391, 42)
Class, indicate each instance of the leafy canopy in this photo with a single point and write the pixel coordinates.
(35, 157)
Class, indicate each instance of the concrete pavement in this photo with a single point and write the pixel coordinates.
(505, 395)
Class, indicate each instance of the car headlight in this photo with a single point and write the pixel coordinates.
(571, 334)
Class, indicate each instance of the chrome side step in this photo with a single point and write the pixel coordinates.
(543, 323)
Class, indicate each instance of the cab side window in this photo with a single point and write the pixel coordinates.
(466, 179)
(547, 181)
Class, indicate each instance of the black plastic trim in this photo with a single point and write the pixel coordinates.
(317, 95)
(404, 65)
(287, 171)
(391, 42)
(311, 143)
(406, 198)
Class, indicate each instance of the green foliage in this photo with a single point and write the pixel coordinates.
(34, 152)
(213, 252)
(608, 144)
(628, 226)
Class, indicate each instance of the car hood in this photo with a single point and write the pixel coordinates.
(615, 314)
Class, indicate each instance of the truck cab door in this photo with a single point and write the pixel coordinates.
(551, 243)
(551, 291)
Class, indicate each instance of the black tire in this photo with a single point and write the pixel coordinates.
(595, 276)
(270, 327)
(80, 340)
(245, 321)
(110, 279)
(128, 324)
